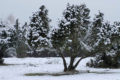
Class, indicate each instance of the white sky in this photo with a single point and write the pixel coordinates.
(23, 9)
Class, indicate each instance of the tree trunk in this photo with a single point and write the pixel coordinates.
(71, 67)
(64, 61)
(78, 62)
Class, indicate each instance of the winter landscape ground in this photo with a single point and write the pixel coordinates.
(54, 40)
(16, 68)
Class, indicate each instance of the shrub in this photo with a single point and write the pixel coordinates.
(105, 61)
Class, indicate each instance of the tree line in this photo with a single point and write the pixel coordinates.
(77, 35)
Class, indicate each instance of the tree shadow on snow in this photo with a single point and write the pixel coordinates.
(53, 74)
(8, 64)
(70, 73)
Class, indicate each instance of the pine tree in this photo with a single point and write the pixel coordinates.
(72, 35)
(18, 40)
(100, 34)
(3, 40)
(39, 28)
(107, 46)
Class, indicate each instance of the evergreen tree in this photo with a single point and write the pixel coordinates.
(115, 36)
(3, 40)
(100, 34)
(72, 36)
(39, 28)
(107, 46)
(17, 39)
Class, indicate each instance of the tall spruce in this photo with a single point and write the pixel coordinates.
(100, 34)
(17, 39)
(39, 28)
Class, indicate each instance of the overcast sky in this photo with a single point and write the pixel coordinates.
(23, 9)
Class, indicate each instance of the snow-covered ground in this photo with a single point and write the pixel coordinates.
(19, 66)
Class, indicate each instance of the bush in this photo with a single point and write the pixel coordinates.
(10, 52)
(105, 61)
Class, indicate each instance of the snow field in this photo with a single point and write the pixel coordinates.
(19, 66)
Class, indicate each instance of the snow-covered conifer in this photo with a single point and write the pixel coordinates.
(39, 28)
